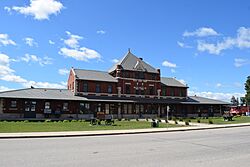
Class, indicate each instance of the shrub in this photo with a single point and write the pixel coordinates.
(198, 121)
(166, 120)
(65, 121)
(175, 122)
(146, 119)
(137, 119)
(181, 119)
(47, 120)
(73, 120)
(210, 121)
(26, 121)
(186, 123)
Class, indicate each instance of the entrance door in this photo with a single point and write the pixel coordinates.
(30, 109)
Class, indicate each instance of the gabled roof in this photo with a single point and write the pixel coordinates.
(41, 93)
(133, 63)
(203, 100)
(172, 82)
(94, 75)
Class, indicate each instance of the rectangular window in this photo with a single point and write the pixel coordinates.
(125, 108)
(127, 89)
(163, 91)
(98, 88)
(153, 76)
(171, 91)
(47, 105)
(13, 104)
(85, 87)
(65, 106)
(137, 92)
(84, 108)
(151, 90)
(27, 106)
(109, 88)
(130, 109)
(106, 108)
(142, 92)
(33, 106)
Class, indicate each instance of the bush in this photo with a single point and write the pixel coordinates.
(26, 121)
(186, 123)
(47, 120)
(74, 120)
(146, 119)
(175, 122)
(210, 121)
(198, 121)
(65, 121)
(137, 119)
(166, 120)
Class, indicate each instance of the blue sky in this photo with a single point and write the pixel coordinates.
(205, 43)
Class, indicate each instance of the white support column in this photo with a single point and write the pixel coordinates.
(1, 106)
(119, 91)
(158, 93)
(159, 110)
(119, 111)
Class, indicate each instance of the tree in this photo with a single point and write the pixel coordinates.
(234, 101)
(247, 88)
(242, 101)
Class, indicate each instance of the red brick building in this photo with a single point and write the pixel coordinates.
(130, 89)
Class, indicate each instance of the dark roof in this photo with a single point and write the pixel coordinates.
(172, 82)
(203, 100)
(93, 75)
(133, 63)
(64, 94)
(41, 93)
(133, 99)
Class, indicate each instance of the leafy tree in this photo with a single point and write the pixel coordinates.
(247, 88)
(234, 101)
(242, 101)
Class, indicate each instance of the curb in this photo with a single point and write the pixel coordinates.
(123, 133)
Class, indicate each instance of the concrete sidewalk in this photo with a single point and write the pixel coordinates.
(194, 126)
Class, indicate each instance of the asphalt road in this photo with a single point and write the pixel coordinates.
(220, 147)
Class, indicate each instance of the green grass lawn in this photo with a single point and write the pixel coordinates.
(11, 127)
(220, 120)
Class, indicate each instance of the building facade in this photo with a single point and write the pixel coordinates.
(130, 89)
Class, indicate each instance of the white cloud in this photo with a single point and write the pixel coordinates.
(8, 74)
(63, 71)
(101, 32)
(242, 40)
(201, 32)
(216, 95)
(73, 40)
(114, 60)
(82, 54)
(51, 42)
(173, 70)
(5, 40)
(30, 41)
(238, 62)
(168, 64)
(44, 85)
(183, 45)
(218, 85)
(33, 58)
(39, 9)
(3, 88)
(216, 48)
(8, 9)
